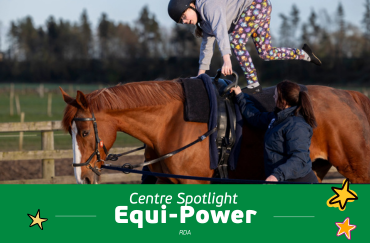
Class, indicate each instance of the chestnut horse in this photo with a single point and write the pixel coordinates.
(153, 113)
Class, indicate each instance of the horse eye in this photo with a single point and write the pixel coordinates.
(85, 133)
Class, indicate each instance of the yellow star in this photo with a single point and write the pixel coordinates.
(37, 219)
(345, 228)
(343, 195)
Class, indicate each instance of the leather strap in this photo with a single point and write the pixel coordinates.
(226, 134)
(114, 157)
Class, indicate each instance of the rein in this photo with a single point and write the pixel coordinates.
(126, 170)
(114, 157)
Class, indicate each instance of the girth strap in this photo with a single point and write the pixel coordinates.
(221, 138)
(226, 122)
(226, 136)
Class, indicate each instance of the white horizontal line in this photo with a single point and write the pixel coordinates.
(75, 216)
(294, 216)
(173, 215)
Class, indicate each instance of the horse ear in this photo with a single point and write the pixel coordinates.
(68, 99)
(81, 100)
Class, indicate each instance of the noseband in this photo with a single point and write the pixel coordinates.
(97, 143)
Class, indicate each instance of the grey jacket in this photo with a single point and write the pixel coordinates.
(217, 16)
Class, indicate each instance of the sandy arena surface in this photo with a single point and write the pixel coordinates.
(31, 169)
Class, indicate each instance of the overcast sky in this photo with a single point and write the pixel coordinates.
(128, 10)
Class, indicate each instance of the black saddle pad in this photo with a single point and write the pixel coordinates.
(264, 101)
(196, 101)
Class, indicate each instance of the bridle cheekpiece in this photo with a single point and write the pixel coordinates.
(98, 143)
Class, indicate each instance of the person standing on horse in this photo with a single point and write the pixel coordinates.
(216, 19)
(288, 132)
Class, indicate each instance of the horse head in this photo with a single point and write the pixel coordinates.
(89, 150)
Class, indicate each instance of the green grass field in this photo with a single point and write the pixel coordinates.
(35, 109)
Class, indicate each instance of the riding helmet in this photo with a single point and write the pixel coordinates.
(177, 7)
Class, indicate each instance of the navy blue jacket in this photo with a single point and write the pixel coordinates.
(287, 140)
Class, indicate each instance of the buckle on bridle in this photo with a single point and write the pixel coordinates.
(96, 170)
(112, 157)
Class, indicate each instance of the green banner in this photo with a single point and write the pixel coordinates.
(185, 213)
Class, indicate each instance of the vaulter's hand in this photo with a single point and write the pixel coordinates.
(201, 72)
(236, 90)
(272, 178)
(227, 68)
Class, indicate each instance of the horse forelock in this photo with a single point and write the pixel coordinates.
(128, 96)
(69, 113)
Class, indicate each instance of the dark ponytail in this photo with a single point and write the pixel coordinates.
(289, 94)
(306, 109)
(198, 32)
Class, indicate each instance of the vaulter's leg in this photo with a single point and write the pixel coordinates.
(246, 63)
(238, 39)
(262, 40)
(255, 22)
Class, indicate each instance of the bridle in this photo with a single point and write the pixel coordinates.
(114, 157)
(98, 143)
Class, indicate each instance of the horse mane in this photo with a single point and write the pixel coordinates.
(128, 96)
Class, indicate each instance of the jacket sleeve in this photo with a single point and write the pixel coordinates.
(252, 114)
(206, 51)
(216, 17)
(298, 141)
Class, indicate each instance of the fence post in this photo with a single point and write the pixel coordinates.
(18, 104)
(11, 99)
(364, 91)
(21, 134)
(50, 99)
(48, 168)
(41, 90)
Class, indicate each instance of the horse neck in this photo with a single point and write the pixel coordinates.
(150, 124)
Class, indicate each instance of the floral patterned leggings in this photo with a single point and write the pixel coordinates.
(255, 22)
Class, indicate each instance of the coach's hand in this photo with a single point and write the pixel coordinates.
(237, 90)
(272, 178)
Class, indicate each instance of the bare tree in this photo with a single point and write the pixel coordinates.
(1, 34)
(366, 24)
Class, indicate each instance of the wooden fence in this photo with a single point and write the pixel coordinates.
(48, 154)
